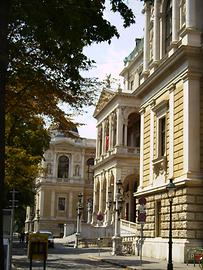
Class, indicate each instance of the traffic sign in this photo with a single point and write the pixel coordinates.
(142, 200)
(100, 217)
(142, 217)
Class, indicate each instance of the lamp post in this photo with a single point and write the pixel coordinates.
(79, 213)
(171, 192)
(109, 206)
(89, 210)
(116, 239)
(38, 213)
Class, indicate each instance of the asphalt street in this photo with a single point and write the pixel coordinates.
(62, 257)
(66, 257)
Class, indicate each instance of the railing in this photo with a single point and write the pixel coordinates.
(128, 244)
(129, 226)
(122, 150)
(59, 180)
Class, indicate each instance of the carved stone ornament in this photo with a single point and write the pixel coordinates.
(159, 166)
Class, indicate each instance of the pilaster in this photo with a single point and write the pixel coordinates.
(152, 104)
(146, 38)
(142, 111)
(171, 130)
(191, 123)
(119, 129)
(175, 21)
(156, 44)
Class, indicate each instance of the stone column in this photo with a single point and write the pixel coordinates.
(83, 165)
(95, 205)
(156, 44)
(191, 123)
(190, 13)
(110, 132)
(70, 208)
(55, 167)
(119, 131)
(152, 104)
(142, 111)
(52, 203)
(97, 144)
(171, 130)
(103, 137)
(175, 21)
(146, 37)
(126, 133)
(101, 197)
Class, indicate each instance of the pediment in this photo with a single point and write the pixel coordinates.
(105, 97)
(66, 143)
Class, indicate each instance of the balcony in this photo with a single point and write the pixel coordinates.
(119, 150)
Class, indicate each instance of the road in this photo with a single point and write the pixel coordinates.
(61, 257)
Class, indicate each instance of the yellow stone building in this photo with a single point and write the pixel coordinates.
(68, 171)
(161, 106)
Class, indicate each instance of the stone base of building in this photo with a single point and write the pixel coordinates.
(158, 248)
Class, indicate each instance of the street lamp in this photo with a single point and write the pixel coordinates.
(79, 213)
(109, 206)
(38, 218)
(116, 239)
(89, 210)
(38, 213)
(171, 192)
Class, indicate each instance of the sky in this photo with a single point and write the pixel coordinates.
(109, 59)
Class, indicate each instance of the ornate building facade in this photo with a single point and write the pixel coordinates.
(67, 172)
(161, 106)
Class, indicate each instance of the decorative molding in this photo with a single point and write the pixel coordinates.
(159, 166)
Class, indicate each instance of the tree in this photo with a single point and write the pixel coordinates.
(45, 57)
(46, 41)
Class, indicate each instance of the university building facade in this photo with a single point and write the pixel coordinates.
(67, 172)
(151, 131)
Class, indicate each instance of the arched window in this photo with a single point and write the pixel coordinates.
(63, 167)
(168, 24)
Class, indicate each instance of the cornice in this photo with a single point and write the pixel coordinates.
(180, 55)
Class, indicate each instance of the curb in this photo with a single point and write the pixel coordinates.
(113, 263)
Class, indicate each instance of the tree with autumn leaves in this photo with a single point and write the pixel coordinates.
(41, 59)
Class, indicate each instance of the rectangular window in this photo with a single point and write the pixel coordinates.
(61, 204)
(158, 219)
(162, 136)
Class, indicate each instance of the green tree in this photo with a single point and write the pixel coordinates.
(46, 41)
(45, 57)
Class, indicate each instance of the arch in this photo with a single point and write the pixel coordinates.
(130, 185)
(133, 130)
(63, 167)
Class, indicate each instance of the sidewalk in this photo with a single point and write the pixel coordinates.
(133, 262)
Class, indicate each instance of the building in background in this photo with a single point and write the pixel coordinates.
(152, 131)
(67, 171)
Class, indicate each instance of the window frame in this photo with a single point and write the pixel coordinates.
(168, 25)
(58, 164)
(58, 208)
(158, 215)
(160, 113)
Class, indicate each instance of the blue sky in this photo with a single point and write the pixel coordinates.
(109, 58)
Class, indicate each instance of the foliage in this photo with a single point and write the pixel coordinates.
(26, 140)
(46, 41)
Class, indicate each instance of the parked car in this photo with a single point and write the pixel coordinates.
(50, 237)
